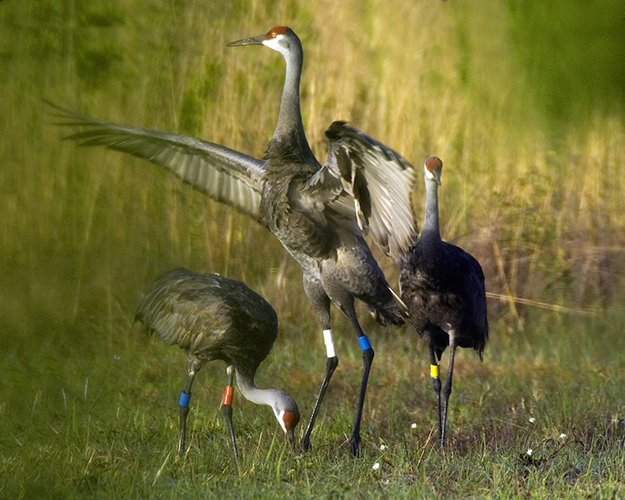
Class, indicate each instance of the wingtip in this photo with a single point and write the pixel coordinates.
(333, 131)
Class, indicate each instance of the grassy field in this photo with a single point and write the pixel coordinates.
(527, 114)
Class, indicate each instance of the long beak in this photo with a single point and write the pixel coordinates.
(255, 40)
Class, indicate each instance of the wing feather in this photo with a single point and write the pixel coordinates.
(390, 180)
(225, 175)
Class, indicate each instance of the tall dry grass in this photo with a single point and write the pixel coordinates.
(541, 208)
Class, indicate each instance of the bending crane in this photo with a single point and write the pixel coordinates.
(211, 317)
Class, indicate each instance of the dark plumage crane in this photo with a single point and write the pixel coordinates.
(443, 287)
(441, 284)
(319, 213)
(212, 317)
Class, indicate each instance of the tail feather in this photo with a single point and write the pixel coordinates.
(395, 313)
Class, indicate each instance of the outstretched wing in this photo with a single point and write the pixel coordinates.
(223, 174)
(381, 182)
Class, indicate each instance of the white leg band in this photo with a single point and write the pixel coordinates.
(327, 338)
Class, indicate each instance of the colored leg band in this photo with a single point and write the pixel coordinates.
(184, 399)
(227, 400)
(364, 342)
(434, 371)
(327, 338)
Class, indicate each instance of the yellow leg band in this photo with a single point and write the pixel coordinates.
(434, 371)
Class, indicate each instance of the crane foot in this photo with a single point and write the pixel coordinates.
(354, 446)
(305, 443)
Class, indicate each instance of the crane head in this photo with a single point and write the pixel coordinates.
(278, 38)
(433, 169)
(288, 422)
(287, 413)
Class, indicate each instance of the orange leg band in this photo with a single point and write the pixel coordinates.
(227, 400)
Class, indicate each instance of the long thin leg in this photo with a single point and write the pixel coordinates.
(331, 363)
(436, 382)
(185, 398)
(320, 302)
(447, 388)
(226, 408)
(367, 360)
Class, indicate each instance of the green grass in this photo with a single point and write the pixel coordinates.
(528, 120)
(106, 425)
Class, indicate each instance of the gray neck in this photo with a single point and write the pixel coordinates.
(254, 394)
(431, 228)
(290, 128)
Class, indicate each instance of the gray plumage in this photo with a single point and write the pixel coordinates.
(214, 318)
(443, 288)
(320, 213)
(211, 317)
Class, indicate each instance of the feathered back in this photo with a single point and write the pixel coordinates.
(210, 316)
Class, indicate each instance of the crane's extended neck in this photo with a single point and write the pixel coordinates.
(290, 128)
(431, 228)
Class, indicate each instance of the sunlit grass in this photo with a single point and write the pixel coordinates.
(88, 407)
(111, 419)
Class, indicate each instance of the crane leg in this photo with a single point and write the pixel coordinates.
(367, 360)
(447, 388)
(436, 382)
(320, 302)
(331, 363)
(226, 408)
(185, 398)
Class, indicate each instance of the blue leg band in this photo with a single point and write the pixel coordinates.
(364, 342)
(184, 399)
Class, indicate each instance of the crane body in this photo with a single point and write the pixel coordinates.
(443, 288)
(215, 318)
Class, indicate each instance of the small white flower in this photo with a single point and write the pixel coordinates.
(382, 447)
(413, 426)
(376, 466)
(532, 420)
(529, 452)
(562, 435)
(116, 356)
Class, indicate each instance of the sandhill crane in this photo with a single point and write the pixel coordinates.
(440, 283)
(212, 317)
(443, 287)
(318, 212)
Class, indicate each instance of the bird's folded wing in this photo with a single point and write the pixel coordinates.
(223, 174)
(381, 182)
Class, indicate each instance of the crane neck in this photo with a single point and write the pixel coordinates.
(431, 227)
(290, 128)
(253, 393)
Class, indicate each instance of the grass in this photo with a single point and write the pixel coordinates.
(533, 188)
(107, 424)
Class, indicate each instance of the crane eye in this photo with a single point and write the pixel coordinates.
(273, 34)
